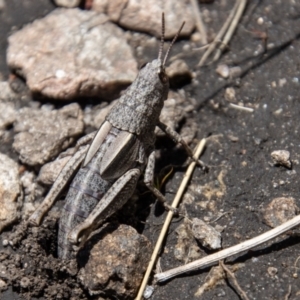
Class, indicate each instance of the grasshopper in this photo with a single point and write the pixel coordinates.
(112, 160)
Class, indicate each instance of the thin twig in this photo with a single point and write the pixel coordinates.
(250, 12)
(295, 264)
(219, 36)
(199, 22)
(201, 48)
(244, 246)
(220, 216)
(231, 29)
(287, 296)
(165, 227)
(230, 274)
(243, 108)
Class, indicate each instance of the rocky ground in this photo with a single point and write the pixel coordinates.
(61, 68)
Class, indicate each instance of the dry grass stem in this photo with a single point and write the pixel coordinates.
(199, 22)
(244, 246)
(231, 29)
(287, 296)
(185, 180)
(230, 23)
(243, 108)
(230, 274)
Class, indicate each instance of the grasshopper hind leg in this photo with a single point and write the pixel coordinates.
(113, 200)
(63, 178)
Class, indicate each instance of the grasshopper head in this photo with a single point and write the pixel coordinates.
(138, 110)
(154, 80)
(154, 73)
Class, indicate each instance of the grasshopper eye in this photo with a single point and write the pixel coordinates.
(163, 76)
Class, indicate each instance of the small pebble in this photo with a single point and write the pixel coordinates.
(179, 73)
(278, 112)
(280, 210)
(3, 284)
(223, 70)
(208, 236)
(282, 82)
(186, 48)
(272, 271)
(235, 71)
(196, 37)
(281, 158)
(230, 94)
(233, 138)
(5, 243)
(260, 21)
(148, 291)
(25, 282)
(2, 4)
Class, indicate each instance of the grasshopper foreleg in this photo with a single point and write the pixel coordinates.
(113, 200)
(178, 139)
(60, 182)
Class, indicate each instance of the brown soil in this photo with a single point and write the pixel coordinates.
(239, 148)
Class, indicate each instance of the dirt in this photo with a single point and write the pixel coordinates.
(241, 180)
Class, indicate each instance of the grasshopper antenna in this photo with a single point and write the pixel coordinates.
(162, 37)
(172, 43)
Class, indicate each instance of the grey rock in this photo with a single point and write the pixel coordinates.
(117, 263)
(280, 210)
(6, 93)
(71, 53)
(175, 111)
(146, 15)
(179, 73)
(8, 114)
(189, 130)
(10, 191)
(42, 133)
(7, 105)
(51, 170)
(149, 290)
(29, 185)
(208, 236)
(281, 158)
(3, 285)
(223, 70)
(186, 248)
(95, 116)
(32, 191)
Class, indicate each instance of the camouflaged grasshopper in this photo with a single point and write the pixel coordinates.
(121, 150)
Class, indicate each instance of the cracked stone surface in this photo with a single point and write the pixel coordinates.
(146, 15)
(72, 53)
(43, 133)
(116, 263)
(7, 105)
(10, 191)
